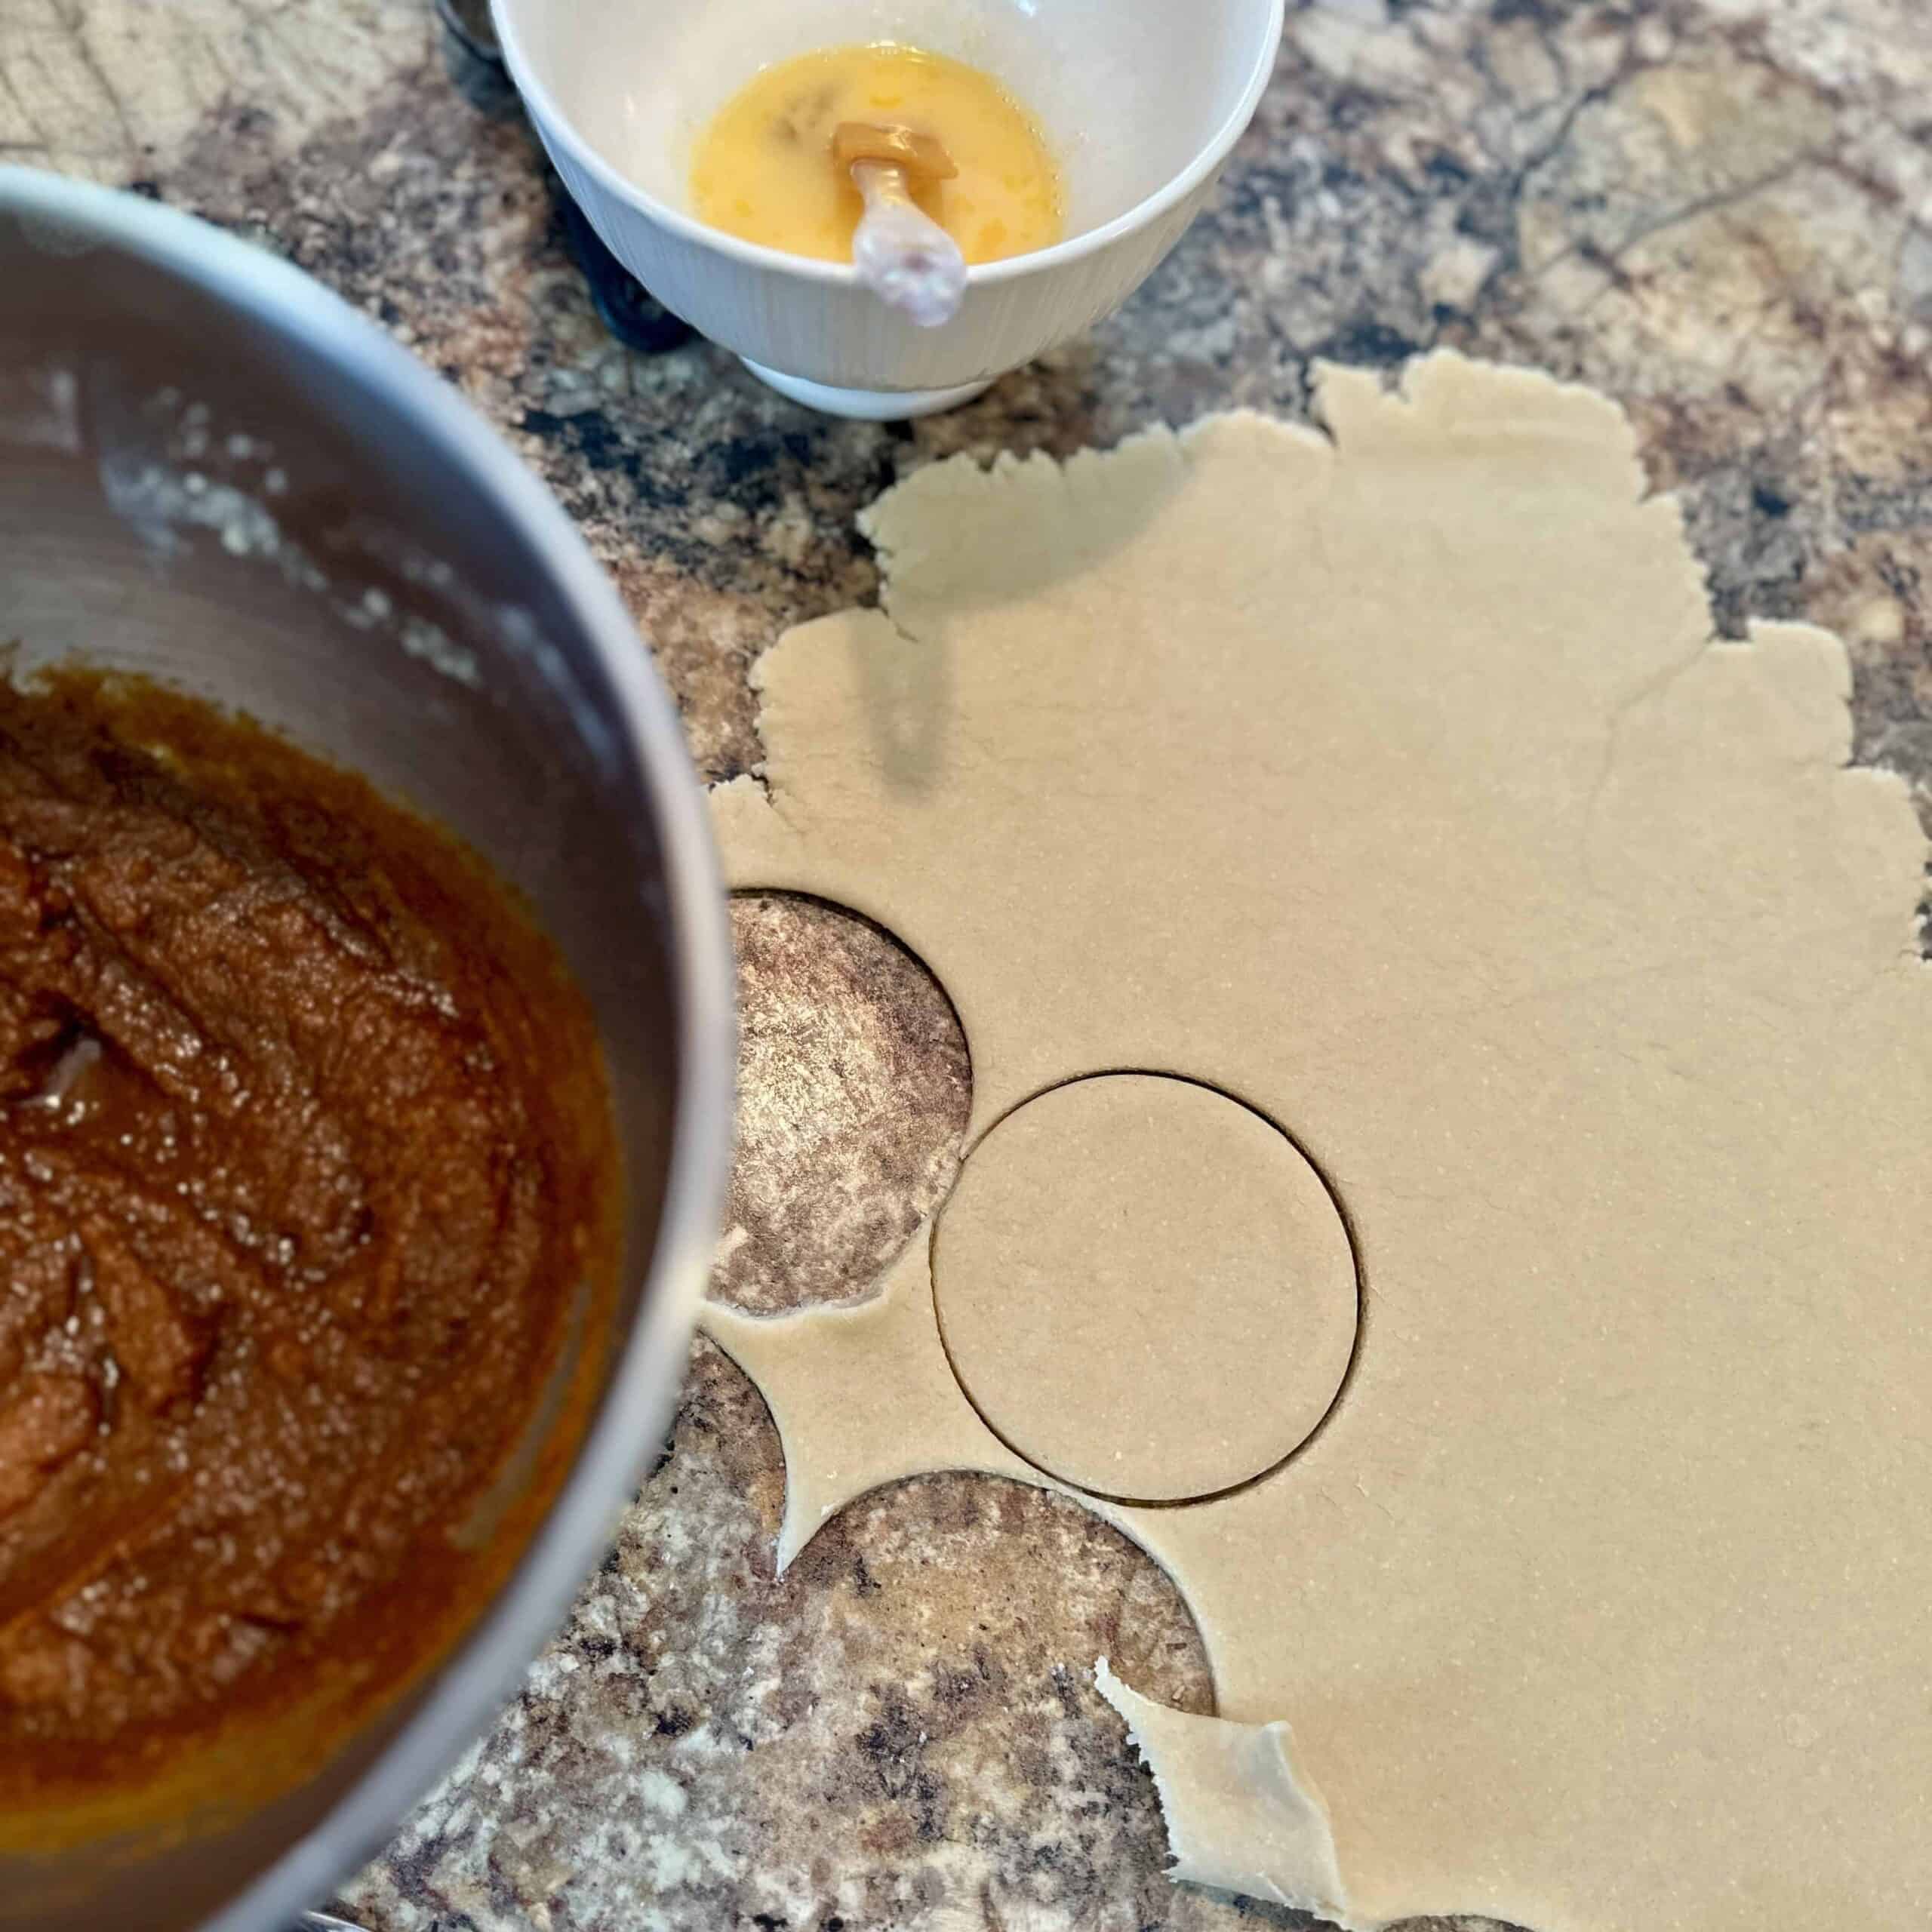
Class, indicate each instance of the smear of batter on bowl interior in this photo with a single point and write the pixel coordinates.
(1391, 782)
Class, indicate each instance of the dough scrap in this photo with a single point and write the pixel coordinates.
(1239, 1816)
(1392, 783)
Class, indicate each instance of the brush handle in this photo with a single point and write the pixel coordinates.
(901, 255)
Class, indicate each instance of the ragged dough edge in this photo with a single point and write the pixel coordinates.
(1459, 405)
(1443, 400)
(1239, 1816)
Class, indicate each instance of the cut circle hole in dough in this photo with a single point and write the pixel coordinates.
(854, 1086)
(1145, 1288)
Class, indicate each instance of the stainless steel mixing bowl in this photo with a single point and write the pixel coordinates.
(213, 471)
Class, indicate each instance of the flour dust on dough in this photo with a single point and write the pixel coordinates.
(1391, 782)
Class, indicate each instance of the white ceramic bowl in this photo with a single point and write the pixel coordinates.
(1143, 100)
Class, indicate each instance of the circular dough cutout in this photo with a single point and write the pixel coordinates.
(1145, 1288)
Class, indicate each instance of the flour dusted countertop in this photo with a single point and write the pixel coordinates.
(1718, 211)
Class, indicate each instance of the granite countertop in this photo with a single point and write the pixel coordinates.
(1718, 211)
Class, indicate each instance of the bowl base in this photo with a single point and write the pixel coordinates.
(866, 405)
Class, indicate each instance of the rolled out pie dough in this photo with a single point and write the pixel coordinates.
(1391, 782)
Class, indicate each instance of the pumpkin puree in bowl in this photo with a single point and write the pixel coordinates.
(306, 1169)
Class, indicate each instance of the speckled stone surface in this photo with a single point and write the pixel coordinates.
(1718, 211)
